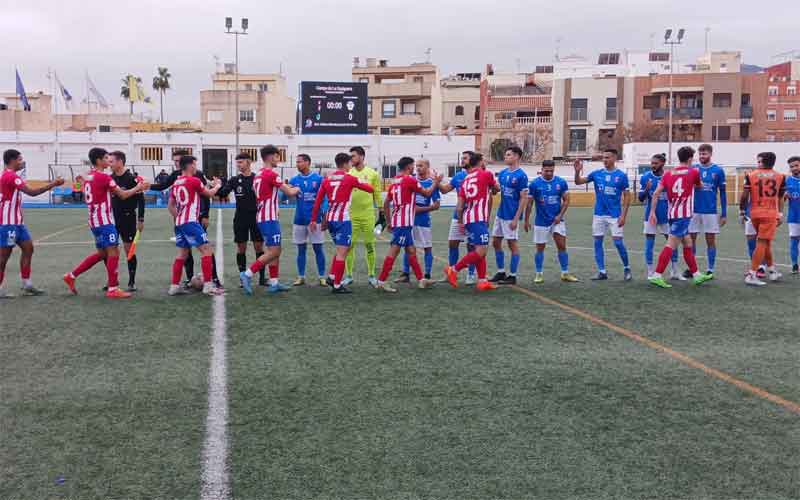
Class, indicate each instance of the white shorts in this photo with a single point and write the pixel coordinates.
(303, 234)
(749, 229)
(657, 229)
(794, 230)
(502, 229)
(541, 234)
(704, 223)
(457, 232)
(601, 224)
(423, 237)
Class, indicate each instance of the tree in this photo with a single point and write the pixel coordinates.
(125, 91)
(161, 85)
(632, 132)
(536, 143)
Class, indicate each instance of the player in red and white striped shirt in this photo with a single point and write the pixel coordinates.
(97, 191)
(402, 200)
(13, 231)
(679, 184)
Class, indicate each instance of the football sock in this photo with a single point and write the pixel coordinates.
(481, 268)
(337, 269)
(712, 258)
(255, 267)
(623, 252)
(112, 266)
(452, 256)
(468, 260)
(690, 259)
(406, 265)
(471, 270)
(261, 277)
(2, 276)
(428, 260)
(514, 263)
(500, 260)
(188, 264)
(599, 255)
(274, 271)
(663, 259)
(214, 275)
(649, 248)
(132, 263)
(301, 259)
(539, 260)
(751, 246)
(388, 263)
(694, 250)
(87, 264)
(24, 273)
(370, 258)
(177, 270)
(241, 261)
(207, 265)
(319, 253)
(563, 259)
(768, 254)
(794, 250)
(414, 263)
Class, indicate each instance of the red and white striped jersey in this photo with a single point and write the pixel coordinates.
(476, 193)
(679, 184)
(186, 194)
(402, 193)
(97, 193)
(338, 188)
(267, 188)
(10, 198)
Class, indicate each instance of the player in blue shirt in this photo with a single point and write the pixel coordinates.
(612, 200)
(421, 232)
(705, 219)
(513, 200)
(793, 197)
(648, 184)
(551, 196)
(457, 233)
(309, 183)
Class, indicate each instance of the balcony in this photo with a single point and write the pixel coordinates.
(682, 114)
(517, 122)
(405, 89)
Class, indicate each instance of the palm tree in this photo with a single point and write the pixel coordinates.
(161, 85)
(125, 91)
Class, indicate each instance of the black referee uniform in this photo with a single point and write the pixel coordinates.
(245, 227)
(127, 213)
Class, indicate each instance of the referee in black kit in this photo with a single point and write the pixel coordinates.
(245, 227)
(128, 213)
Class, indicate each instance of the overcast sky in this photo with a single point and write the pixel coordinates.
(317, 39)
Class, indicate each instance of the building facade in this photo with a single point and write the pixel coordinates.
(461, 102)
(41, 117)
(783, 102)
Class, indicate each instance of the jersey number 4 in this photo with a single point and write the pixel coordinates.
(677, 187)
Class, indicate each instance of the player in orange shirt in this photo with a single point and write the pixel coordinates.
(763, 190)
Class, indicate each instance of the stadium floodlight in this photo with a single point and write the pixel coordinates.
(244, 24)
(681, 32)
(228, 23)
(672, 43)
(667, 35)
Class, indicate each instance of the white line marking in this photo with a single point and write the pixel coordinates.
(51, 235)
(90, 242)
(215, 474)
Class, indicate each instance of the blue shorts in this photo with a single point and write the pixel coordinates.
(402, 236)
(679, 227)
(341, 233)
(13, 234)
(105, 236)
(477, 233)
(190, 235)
(271, 232)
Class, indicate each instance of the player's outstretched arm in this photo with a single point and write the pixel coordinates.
(124, 194)
(37, 191)
(290, 191)
(578, 166)
(318, 202)
(365, 186)
(460, 209)
(652, 215)
(216, 184)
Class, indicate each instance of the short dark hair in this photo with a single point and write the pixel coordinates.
(767, 158)
(268, 150)
(685, 153)
(660, 157)
(96, 154)
(10, 155)
(515, 149)
(793, 159)
(405, 162)
(612, 151)
(706, 147)
(342, 159)
(359, 150)
(179, 152)
(187, 160)
(119, 155)
(468, 152)
(548, 163)
(243, 156)
(304, 157)
(475, 159)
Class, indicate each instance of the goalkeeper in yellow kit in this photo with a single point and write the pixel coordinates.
(363, 206)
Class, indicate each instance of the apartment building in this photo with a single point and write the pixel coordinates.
(783, 101)
(265, 107)
(461, 103)
(41, 117)
(403, 100)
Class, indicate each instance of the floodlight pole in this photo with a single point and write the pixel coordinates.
(236, 34)
(672, 43)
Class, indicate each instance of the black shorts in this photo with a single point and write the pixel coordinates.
(126, 226)
(245, 228)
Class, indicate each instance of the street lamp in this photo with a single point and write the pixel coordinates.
(668, 40)
(236, 33)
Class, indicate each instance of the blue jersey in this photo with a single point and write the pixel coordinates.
(705, 198)
(512, 184)
(309, 185)
(662, 206)
(608, 189)
(547, 195)
(424, 219)
(793, 194)
(456, 182)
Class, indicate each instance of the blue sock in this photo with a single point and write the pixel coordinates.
(563, 259)
(471, 268)
(301, 259)
(674, 257)
(539, 259)
(599, 255)
(452, 256)
(751, 246)
(500, 259)
(319, 253)
(649, 245)
(712, 258)
(694, 250)
(428, 262)
(514, 263)
(794, 249)
(623, 252)
(406, 265)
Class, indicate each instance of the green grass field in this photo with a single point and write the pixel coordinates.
(426, 394)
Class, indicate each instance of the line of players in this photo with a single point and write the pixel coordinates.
(116, 211)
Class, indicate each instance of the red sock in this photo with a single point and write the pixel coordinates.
(337, 268)
(388, 263)
(24, 273)
(664, 258)
(467, 260)
(2, 276)
(274, 271)
(207, 266)
(414, 263)
(177, 270)
(690, 259)
(112, 264)
(87, 264)
(256, 266)
(481, 268)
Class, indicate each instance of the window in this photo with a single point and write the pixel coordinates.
(459, 110)
(247, 115)
(389, 171)
(722, 100)
(790, 115)
(744, 131)
(263, 87)
(253, 153)
(388, 109)
(772, 115)
(612, 58)
(544, 69)
(745, 99)
(409, 108)
(183, 150)
(720, 133)
(213, 115)
(578, 109)
(659, 56)
(651, 102)
(791, 90)
(363, 79)
(418, 79)
(248, 86)
(369, 108)
(477, 113)
(104, 128)
(577, 140)
(772, 90)
(386, 131)
(611, 109)
(151, 153)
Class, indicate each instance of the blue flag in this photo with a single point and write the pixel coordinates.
(21, 93)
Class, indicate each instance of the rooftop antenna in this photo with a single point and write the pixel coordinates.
(708, 30)
(428, 55)
(216, 63)
(652, 42)
(558, 48)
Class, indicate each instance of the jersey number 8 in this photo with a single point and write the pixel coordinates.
(87, 192)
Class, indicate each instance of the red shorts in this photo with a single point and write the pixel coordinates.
(765, 227)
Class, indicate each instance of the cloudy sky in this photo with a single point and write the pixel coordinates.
(317, 39)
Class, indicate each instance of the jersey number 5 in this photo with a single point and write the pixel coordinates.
(471, 187)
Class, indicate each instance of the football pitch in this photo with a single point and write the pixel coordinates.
(591, 390)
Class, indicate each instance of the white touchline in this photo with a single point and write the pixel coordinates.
(215, 475)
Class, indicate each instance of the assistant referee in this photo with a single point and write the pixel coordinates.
(128, 213)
